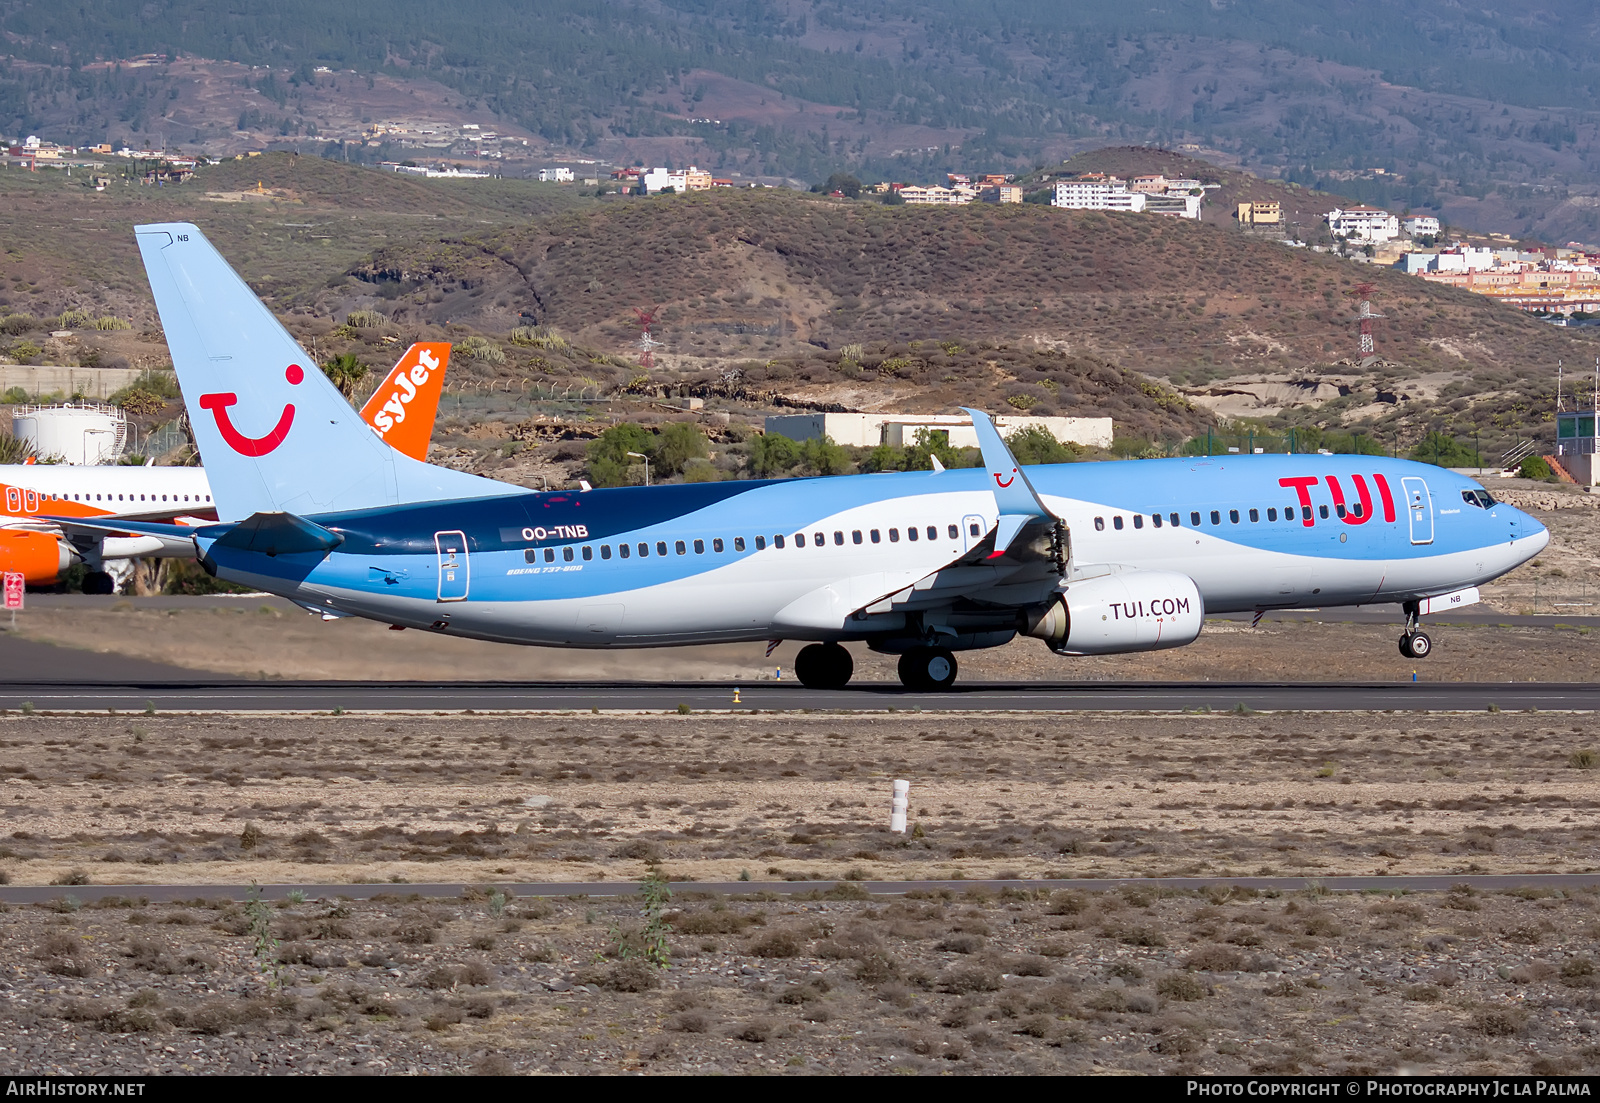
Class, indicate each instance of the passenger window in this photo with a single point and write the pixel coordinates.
(1116, 522)
(716, 545)
(877, 537)
(622, 550)
(1272, 513)
(1255, 516)
(855, 536)
(605, 551)
(1338, 508)
(661, 547)
(1216, 517)
(894, 536)
(973, 529)
(1194, 518)
(911, 533)
(681, 550)
(588, 552)
(955, 532)
(761, 543)
(1155, 519)
(1305, 513)
(1099, 524)
(1233, 516)
(566, 553)
(819, 540)
(1138, 520)
(777, 541)
(738, 543)
(1323, 510)
(1174, 519)
(531, 555)
(933, 532)
(644, 551)
(799, 540)
(699, 547)
(838, 537)
(1355, 510)
(549, 555)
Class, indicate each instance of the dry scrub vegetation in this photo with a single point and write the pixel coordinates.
(1113, 981)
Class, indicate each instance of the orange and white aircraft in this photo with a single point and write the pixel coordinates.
(401, 411)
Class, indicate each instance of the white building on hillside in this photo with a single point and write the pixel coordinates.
(937, 195)
(1363, 224)
(1177, 204)
(1421, 225)
(1097, 195)
(871, 430)
(555, 176)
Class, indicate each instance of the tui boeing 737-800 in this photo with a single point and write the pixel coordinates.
(1092, 558)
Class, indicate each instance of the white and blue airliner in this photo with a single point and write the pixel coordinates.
(1092, 558)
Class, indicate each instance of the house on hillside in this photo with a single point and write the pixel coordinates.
(1421, 225)
(1106, 194)
(1151, 185)
(935, 196)
(555, 176)
(1368, 225)
(1260, 214)
(1180, 204)
(1000, 193)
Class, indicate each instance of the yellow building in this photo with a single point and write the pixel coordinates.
(1260, 214)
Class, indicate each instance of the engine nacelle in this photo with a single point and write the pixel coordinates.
(1122, 611)
(39, 556)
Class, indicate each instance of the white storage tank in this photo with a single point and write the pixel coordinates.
(86, 434)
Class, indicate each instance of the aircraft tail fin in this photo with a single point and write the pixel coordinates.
(275, 433)
(403, 408)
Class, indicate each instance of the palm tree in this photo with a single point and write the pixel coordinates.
(346, 372)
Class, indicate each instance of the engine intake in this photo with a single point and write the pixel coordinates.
(1121, 612)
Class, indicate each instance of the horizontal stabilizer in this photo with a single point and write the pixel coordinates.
(278, 534)
(175, 541)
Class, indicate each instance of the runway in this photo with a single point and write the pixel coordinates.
(1499, 882)
(196, 695)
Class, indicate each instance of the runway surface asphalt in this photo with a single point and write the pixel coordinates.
(49, 678)
(34, 894)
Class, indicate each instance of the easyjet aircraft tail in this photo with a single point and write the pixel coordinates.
(403, 408)
(247, 392)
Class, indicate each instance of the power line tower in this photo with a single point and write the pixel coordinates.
(647, 343)
(1365, 316)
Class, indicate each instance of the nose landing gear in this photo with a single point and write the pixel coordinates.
(1414, 643)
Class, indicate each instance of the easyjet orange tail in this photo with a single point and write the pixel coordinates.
(403, 408)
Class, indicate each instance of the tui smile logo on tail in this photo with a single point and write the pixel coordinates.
(252, 446)
(1003, 483)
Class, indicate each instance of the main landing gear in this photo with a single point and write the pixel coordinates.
(99, 582)
(1414, 644)
(824, 666)
(927, 669)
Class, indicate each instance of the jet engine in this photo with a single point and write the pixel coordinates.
(39, 556)
(1121, 611)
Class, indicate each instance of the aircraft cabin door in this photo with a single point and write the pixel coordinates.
(454, 573)
(1419, 509)
(973, 530)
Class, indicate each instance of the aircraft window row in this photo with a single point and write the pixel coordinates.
(1235, 517)
(718, 545)
(121, 497)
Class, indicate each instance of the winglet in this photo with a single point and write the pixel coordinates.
(1018, 502)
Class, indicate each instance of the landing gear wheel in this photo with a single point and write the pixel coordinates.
(1416, 645)
(824, 666)
(927, 669)
(99, 582)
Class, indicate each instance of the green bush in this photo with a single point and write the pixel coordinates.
(1036, 444)
(481, 349)
(772, 455)
(18, 324)
(608, 457)
(1436, 448)
(1535, 467)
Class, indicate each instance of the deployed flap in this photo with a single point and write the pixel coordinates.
(278, 534)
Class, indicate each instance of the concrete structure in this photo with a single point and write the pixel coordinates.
(50, 379)
(871, 430)
(1097, 195)
(1001, 193)
(1420, 225)
(1367, 225)
(686, 180)
(1150, 185)
(1259, 214)
(87, 434)
(1174, 204)
(555, 176)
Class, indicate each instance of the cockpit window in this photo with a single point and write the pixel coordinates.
(1480, 498)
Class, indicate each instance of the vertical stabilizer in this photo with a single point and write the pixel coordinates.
(403, 408)
(275, 434)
